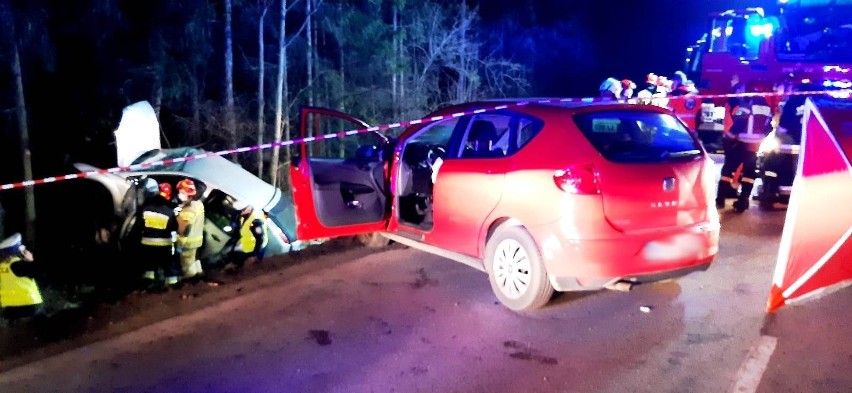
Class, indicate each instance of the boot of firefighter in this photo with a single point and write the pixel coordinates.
(724, 191)
(742, 202)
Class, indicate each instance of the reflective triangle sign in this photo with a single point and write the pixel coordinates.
(815, 253)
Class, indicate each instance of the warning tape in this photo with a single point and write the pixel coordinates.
(384, 127)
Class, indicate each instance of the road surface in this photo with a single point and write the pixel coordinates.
(405, 321)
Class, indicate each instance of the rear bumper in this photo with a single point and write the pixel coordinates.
(577, 264)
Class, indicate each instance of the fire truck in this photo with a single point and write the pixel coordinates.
(798, 42)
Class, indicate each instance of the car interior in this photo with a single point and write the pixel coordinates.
(349, 190)
(419, 162)
(348, 177)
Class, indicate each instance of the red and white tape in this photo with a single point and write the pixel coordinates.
(388, 126)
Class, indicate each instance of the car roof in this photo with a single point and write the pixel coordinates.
(216, 171)
(548, 102)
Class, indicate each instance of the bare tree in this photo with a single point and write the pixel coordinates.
(8, 22)
(309, 53)
(281, 92)
(261, 101)
(230, 115)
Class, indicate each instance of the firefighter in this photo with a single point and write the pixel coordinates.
(20, 296)
(159, 235)
(190, 220)
(610, 88)
(627, 89)
(752, 117)
(253, 234)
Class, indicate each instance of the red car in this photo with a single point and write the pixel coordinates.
(542, 197)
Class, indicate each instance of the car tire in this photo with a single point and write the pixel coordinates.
(373, 240)
(767, 195)
(516, 271)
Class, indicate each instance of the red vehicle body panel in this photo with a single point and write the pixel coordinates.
(467, 191)
(598, 236)
(308, 224)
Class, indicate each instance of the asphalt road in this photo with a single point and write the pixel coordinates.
(405, 321)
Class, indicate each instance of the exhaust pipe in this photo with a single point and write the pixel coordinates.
(620, 285)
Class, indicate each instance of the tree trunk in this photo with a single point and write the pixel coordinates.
(460, 87)
(195, 103)
(401, 64)
(281, 92)
(230, 115)
(21, 114)
(261, 101)
(395, 63)
(310, 50)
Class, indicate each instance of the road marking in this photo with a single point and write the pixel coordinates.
(751, 371)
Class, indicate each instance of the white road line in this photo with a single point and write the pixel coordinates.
(751, 371)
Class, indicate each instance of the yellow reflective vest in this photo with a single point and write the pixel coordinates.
(17, 291)
(247, 241)
(191, 215)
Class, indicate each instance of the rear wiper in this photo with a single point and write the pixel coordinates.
(680, 154)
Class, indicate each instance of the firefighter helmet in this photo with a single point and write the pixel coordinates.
(187, 186)
(166, 191)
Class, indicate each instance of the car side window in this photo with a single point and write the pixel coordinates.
(361, 145)
(495, 135)
(486, 136)
(527, 128)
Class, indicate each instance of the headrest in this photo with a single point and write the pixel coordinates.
(482, 130)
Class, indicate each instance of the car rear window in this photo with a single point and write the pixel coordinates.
(638, 136)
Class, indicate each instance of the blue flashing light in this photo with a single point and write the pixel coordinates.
(764, 30)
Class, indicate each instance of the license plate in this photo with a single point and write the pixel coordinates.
(673, 248)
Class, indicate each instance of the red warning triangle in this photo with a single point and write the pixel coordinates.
(822, 153)
(816, 249)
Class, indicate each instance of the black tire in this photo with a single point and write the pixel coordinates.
(373, 240)
(512, 257)
(767, 194)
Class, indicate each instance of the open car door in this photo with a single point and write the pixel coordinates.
(339, 184)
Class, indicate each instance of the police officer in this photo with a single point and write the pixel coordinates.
(254, 234)
(752, 116)
(159, 235)
(19, 293)
(190, 220)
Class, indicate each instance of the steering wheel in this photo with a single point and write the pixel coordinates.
(433, 154)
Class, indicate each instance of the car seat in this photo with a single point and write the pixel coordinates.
(482, 137)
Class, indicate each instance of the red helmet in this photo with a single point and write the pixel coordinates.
(187, 187)
(166, 191)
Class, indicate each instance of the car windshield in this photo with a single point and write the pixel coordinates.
(284, 217)
(638, 136)
(165, 154)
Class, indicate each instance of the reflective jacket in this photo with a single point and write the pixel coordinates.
(159, 225)
(16, 291)
(253, 227)
(191, 225)
(752, 124)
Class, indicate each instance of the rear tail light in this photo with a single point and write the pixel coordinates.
(578, 179)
